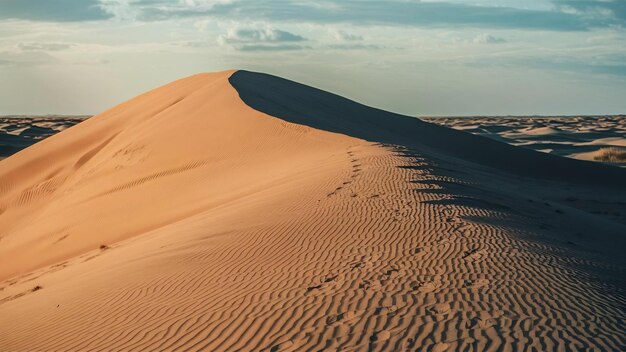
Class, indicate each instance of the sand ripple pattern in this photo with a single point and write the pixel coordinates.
(384, 253)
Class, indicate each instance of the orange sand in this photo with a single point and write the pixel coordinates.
(184, 219)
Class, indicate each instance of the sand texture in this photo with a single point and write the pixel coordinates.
(238, 211)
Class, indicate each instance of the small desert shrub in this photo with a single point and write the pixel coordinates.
(611, 155)
(104, 247)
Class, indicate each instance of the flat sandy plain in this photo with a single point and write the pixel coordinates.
(238, 211)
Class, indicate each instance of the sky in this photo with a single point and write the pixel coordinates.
(420, 58)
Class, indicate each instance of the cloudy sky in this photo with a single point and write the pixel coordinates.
(428, 57)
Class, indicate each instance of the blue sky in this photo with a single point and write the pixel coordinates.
(429, 57)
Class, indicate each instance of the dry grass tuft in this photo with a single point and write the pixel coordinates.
(611, 155)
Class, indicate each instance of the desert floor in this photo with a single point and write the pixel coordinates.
(19, 132)
(579, 137)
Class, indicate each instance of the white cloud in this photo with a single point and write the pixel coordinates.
(345, 36)
(261, 39)
(118, 8)
(263, 35)
(203, 3)
(488, 39)
(32, 46)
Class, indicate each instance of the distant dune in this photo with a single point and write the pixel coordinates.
(19, 132)
(238, 211)
(578, 137)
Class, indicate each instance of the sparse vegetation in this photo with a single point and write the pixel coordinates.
(611, 155)
(104, 247)
(36, 288)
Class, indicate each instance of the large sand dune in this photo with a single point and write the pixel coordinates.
(240, 212)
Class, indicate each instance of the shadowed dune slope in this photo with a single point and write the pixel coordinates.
(301, 104)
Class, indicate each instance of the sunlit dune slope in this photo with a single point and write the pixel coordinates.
(163, 156)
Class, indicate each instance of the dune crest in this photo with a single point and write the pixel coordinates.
(238, 211)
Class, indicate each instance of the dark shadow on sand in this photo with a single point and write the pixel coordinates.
(301, 104)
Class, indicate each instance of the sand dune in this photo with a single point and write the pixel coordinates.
(237, 211)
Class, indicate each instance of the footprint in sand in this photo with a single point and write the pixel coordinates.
(63, 264)
(374, 285)
(290, 346)
(387, 310)
(419, 252)
(481, 323)
(285, 346)
(10, 298)
(388, 276)
(441, 309)
(379, 336)
(391, 273)
(364, 262)
(326, 284)
(478, 283)
(334, 192)
(344, 318)
(357, 265)
(409, 344)
(423, 286)
(475, 254)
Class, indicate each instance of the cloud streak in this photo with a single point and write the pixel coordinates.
(488, 39)
(261, 39)
(43, 46)
(389, 12)
(557, 15)
(266, 35)
(611, 65)
(608, 9)
(53, 11)
(280, 47)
